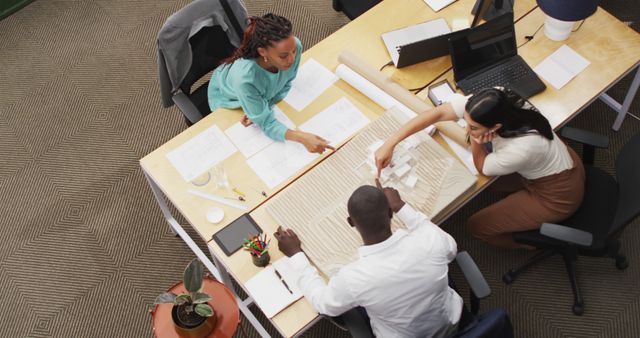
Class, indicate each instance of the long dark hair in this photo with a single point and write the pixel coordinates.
(518, 117)
(262, 31)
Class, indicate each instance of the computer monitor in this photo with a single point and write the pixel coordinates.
(489, 9)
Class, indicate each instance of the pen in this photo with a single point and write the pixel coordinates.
(282, 280)
(237, 191)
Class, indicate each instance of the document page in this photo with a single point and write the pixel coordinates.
(336, 123)
(437, 5)
(202, 152)
(561, 66)
(312, 80)
(279, 161)
(252, 139)
(394, 39)
(268, 290)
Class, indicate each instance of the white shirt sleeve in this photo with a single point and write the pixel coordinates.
(506, 160)
(458, 101)
(332, 299)
(417, 221)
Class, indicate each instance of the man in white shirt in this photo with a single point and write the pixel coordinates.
(400, 278)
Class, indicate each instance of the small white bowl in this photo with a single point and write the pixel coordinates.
(215, 215)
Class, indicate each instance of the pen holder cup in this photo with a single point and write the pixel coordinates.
(261, 260)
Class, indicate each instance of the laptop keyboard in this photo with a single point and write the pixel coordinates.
(503, 75)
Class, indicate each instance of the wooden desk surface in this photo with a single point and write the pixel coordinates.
(612, 47)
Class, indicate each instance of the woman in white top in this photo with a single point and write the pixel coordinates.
(522, 142)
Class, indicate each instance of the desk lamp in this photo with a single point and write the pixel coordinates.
(561, 15)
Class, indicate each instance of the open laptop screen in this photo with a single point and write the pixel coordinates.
(476, 48)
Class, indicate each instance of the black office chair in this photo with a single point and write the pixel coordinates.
(609, 205)
(215, 22)
(495, 323)
(354, 8)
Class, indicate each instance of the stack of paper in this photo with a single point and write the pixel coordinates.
(269, 291)
(561, 66)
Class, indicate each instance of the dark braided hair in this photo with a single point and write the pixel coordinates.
(261, 32)
(517, 115)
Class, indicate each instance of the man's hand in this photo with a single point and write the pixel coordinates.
(393, 196)
(245, 121)
(288, 241)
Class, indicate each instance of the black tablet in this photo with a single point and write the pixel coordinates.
(231, 237)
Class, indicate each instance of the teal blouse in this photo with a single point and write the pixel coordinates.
(244, 84)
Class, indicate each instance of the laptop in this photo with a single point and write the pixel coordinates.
(486, 56)
(417, 43)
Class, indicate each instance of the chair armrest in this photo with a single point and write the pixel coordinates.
(585, 137)
(472, 274)
(187, 107)
(567, 234)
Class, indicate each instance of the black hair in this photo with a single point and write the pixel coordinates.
(517, 115)
(262, 31)
(368, 206)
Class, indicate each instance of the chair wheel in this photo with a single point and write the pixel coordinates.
(621, 264)
(578, 309)
(507, 278)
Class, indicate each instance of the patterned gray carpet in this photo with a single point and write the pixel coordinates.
(86, 249)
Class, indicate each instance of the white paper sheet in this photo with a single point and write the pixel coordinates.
(312, 80)
(437, 5)
(279, 161)
(561, 66)
(200, 153)
(462, 153)
(252, 139)
(336, 123)
(268, 291)
(404, 36)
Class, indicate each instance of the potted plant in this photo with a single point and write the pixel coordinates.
(192, 315)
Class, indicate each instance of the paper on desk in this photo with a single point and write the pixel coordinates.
(252, 139)
(312, 80)
(437, 5)
(200, 153)
(268, 291)
(279, 161)
(463, 154)
(561, 66)
(336, 123)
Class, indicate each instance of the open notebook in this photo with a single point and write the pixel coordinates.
(268, 290)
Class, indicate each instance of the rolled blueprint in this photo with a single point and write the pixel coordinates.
(383, 83)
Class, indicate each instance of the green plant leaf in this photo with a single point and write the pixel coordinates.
(183, 299)
(193, 275)
(167, 297)
(200, 297)
(204, 310)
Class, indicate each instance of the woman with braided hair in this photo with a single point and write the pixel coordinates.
(258, 75)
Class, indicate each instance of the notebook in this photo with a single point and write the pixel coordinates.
(269, 291)
(486, 56)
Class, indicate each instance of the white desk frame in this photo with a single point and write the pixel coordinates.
(623, 109)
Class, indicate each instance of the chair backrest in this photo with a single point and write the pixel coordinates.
(208, 47)
(628, 177)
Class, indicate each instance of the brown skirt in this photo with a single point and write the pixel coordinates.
(549, 199)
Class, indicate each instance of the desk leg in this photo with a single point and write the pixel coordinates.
(221, 275)
(157, 193)
(623, 109)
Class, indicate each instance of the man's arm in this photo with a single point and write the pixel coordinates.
(332, 299)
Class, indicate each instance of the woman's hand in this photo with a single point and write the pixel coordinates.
(383, 156)
(485, 138)
(245, 121)
(314, 143)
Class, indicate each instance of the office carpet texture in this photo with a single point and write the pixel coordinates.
(85, 248)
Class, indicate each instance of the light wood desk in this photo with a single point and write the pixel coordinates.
(362, 36)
